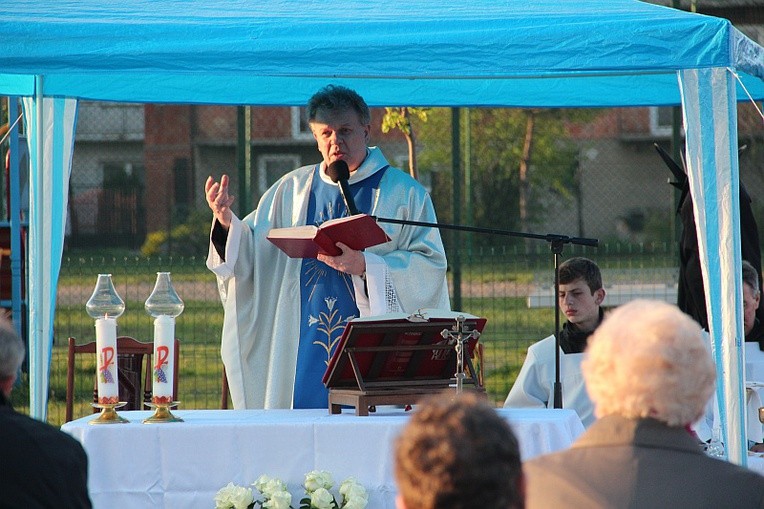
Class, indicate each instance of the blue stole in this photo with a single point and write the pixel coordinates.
(327, 299)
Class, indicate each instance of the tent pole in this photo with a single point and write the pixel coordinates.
(37, 344)
(709, 105)
(15, 223)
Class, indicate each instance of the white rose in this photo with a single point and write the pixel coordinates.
(350, 489)
(223, 497)
(270, 486)
(356, 503)
(318, 479)
(321, 499)
(280, 500)
(232, 496)
(242, 497)
(261, 482)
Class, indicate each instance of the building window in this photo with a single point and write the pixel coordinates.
(272, 167)
(661, 118)
(102, 121)
(107, 205)
(300, 128)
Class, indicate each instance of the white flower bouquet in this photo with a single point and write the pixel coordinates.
(275, 495)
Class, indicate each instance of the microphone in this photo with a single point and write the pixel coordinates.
(339, 172)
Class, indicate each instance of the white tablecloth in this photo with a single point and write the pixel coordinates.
(756, 462)
(754, 362)
(174, 465)
(754, 375)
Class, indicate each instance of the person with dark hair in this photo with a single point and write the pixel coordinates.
(44, 467)
(581, 295)
(457, 452)
(752, 326)
(284, 316)
(649, 374)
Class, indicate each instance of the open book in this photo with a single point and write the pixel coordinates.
(358, 232)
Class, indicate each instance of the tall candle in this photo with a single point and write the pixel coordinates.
(106, 369)
(164, 359)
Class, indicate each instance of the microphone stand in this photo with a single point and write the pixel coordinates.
(556, 243)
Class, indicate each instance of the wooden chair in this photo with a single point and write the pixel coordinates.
(134, 363)
(6, 283)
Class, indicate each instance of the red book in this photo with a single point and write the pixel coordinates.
(358, 232)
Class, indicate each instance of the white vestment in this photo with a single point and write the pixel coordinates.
(534, 386)
(260, 286)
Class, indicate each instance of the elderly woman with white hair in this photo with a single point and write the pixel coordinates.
(649, 376)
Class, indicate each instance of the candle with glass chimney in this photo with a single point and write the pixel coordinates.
(164, 305)
(105, 306)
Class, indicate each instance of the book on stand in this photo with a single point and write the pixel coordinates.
(357, 232)
(396, 359)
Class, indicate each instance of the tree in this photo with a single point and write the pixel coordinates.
(521, 160)
(400, 118)
(525, 161)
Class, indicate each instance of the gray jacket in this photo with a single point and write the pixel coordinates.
(642, 463)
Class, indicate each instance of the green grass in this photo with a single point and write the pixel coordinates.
(495, 284)
(130, 268)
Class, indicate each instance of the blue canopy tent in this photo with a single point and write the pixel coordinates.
(513, 53)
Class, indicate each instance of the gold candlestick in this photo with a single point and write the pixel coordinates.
(108, 413)
(162, 413)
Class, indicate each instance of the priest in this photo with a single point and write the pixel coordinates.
(284, 316)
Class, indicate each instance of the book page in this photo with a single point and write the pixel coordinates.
(294, 232)
(340, 220)
(418, 316)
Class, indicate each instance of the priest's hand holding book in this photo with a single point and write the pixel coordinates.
(351, 261)
(337, 242)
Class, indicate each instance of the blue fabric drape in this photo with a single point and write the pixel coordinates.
(50, 123)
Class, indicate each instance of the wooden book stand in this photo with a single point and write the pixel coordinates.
(397, 360)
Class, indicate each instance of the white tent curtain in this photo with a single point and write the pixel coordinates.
(50, 123)
(710, 121)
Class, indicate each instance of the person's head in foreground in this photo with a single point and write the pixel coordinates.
(648, 359)
(581, 292)
(751, 296)
(341, 122)
(457, 452)
(11, 356)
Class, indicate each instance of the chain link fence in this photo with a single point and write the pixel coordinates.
(136, 206)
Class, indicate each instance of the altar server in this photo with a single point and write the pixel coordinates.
(581, 295)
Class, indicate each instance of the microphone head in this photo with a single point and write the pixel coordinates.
(338, 170)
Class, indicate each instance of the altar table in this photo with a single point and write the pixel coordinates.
(173, 465)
